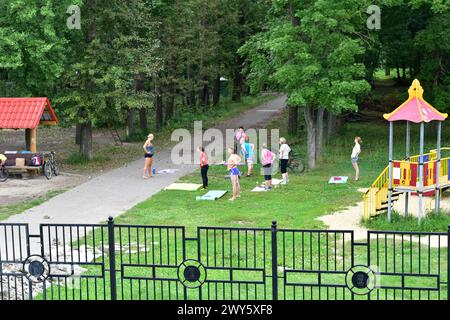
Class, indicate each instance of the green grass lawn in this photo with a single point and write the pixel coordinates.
(146, 253)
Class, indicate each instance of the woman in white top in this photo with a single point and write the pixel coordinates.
(355, 156)
(284, 159)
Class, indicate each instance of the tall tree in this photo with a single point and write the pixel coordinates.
(316, 61)
(32, 46)
(115, 44)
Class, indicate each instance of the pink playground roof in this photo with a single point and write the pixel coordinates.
(415, 109)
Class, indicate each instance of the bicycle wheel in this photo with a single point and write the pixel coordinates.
(4, 174)
(55, 167)
(297, 166)
(48, 172)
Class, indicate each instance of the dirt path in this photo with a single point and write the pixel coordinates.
(114, 192)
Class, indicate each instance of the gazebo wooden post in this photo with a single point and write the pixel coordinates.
(408, 142)
(391, 147)
(27, 139)
(438, 168)
(33, 136)
(420, 191)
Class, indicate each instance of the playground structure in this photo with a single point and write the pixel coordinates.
(424, 174)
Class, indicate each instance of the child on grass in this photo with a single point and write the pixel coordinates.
(284, 159)
(249, 151)
(232, 166)
(267, 158)
(203, 166)
(355, 156)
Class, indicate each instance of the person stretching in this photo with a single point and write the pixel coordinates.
(148, 148)
(267, 158)
(355, 156)
(284, 159)
(232, 166)
(203, 166)
(249, 151)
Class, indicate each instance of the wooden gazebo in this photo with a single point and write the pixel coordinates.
(28, 114)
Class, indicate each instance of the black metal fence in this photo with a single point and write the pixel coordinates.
(137, 262)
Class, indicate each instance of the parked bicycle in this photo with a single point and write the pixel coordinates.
(4, 174)
(295, 164)
(50, 166)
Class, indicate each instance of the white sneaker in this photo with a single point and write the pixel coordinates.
(283, 182)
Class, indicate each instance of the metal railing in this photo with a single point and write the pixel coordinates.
(141, 262)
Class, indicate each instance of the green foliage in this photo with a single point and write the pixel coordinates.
(104, 58)
(33, 46)
(316, 61)
(415, 36)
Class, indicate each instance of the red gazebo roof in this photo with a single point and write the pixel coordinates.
(416, 109)
(25, 113)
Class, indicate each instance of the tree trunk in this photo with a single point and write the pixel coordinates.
(169, 107)
(139, 86)
(238, 82)
(331, 126)
(143, 121)
(131, 116)
(387, 71)
(319, 133)
(310, 136)
(205, 95)
(159, 111)
(78, 134)
(216, 91)
(338, 124)
(293, 120)
(237, 85)
(86, 139)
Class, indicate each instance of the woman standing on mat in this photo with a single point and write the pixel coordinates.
(284, 159)
(232, 165)
(148, 148)
(249, 151)
(203, 166)
(355, 156)
(267, 158)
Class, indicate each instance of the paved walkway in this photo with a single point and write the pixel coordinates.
(117, 191)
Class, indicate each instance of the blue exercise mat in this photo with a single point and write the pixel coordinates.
(212, 195)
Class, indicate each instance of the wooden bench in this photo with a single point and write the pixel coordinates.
(23, 168)
(10, 164)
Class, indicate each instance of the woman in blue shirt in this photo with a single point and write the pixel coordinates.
(248, 151)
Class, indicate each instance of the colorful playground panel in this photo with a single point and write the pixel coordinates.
(407, 174)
